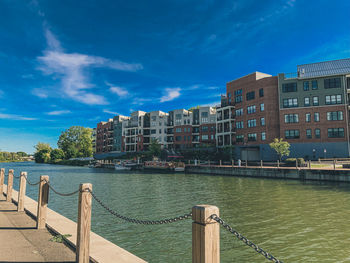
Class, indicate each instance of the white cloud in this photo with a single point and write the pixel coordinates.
(171, 94)
(41, 93)
(110, 112)
(15, 117)
(71, 69)
(122, 92)
(58, 112)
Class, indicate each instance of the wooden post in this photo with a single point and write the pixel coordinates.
(261, 163)
(9, 186)
(334, 162)
(43, 199)
(233, 163)
(205, 235)
(84, 224)
(22, 192)
(2, 179)
(220, 163)
(246, 163)
(209, 162)
(278, 163)
(296, 163)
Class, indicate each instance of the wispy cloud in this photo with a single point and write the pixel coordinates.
(58, 112)
(15, 117)
(170, 94)
(71, 68)
(121, 92)
(110, 112)
(41, 93)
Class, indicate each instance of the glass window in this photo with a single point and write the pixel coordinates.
(239, 125)
(306, 101)
(306, 85)
(308, 133)
(332, 83)
(262, 121)
(315, 101)
(317, 133)
(262, 107)
(250, 95)
(205, 137)
(251, 123)
(308, 117)
(317, 116)
(291, 118)
(336, 133)
(251, 136)
(263, 136)
(290, 103)
(314, 84)
(261, 92)
(239, 112)
(289, 87)
(251, 109)
(335, 116)
(333, 99)
(239, 138)
(178, 129)
(291, 134)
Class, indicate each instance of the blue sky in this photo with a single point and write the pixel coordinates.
(65, 63)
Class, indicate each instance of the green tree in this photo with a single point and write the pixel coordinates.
(155, 148)
(42, 156)
(281, 147)
(76, 142)
(42, 146)
(22, 154)
(57, 154)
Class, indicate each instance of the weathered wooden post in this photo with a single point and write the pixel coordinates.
(246, 163)
(2, 179)
(278, 163)
(334, 162)
(22, 191)
(84, 224)
(9, 186)
(43, 200)
(296, 163)
(220, 163)
(261, 163)
(233, 163)
(205, 235)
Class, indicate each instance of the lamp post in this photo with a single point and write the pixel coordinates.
(314, 153)
(325, 152)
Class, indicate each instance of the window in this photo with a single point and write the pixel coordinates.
(289, 87)
(204, 116)
(178, 116)
(178, 129)
(212, 136)
(306, 101)
(314, 84)
(178, 138)
(239, 112)
(205, 137)
(251, 109)
(250, 95)
(154, 118)
(290, 103)
(263, 136)
(239, 125)
(239, 138)
(251, 136)
(336, 133)
(291, 134)
(308, 117)
(291, 118)
(205, 128)
(160, 130)
(315, 101)
(306, 85)
(238, 95)
(262, 107)
(262, 121)
(309, 133)
(229, 97)
(251, 123)
(332, 83)
(317, 133)
(261, 92)
(333, 99)
(335, 116)
(316, 116)
(153, 131)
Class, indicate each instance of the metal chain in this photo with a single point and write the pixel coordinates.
(245, 240)
(61, 194)
(17, 177)
(138, 221)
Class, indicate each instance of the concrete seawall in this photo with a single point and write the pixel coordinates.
(277, 173)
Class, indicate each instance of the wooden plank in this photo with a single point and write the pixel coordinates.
(22, 192)
(84, 224)
(2, 180)
(205, 235)
(9, 186)
(43, 199)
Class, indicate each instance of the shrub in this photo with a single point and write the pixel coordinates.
(290, 162)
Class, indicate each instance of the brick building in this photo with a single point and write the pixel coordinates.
(104, 137)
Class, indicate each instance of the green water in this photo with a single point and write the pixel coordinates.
(295, 221)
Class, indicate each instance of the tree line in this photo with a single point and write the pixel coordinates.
(75, 142)
(12, 156)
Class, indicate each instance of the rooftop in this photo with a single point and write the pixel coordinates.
(325, 68)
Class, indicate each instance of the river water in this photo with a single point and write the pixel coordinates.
(294, 221)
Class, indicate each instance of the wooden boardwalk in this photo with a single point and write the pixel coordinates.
(20, 241)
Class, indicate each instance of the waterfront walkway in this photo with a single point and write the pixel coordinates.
(20, 241)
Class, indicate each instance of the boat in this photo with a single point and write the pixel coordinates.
(165, 166)
(121, 167)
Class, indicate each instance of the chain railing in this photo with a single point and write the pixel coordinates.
(86, 194)
(140, 221)
(244, 239)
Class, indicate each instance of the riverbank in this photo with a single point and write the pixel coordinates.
(303, 174)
